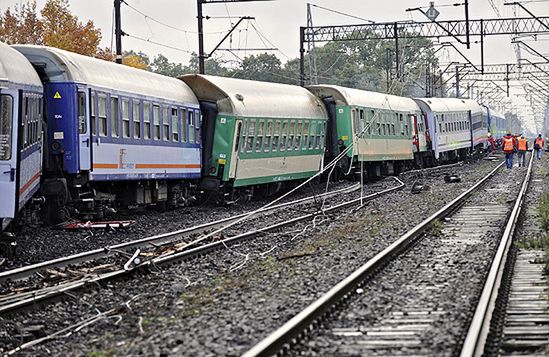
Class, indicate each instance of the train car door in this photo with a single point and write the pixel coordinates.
(8, 154)
(415, 136)
(84, 133)
(234, 154)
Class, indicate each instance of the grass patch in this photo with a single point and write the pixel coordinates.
(436, 228)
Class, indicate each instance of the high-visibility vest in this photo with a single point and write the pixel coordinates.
(539, 142)
(508, 144)
(522, 144)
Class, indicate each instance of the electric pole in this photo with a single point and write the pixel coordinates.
(118, 31)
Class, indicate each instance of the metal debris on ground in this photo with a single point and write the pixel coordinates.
(96, 225)
(417, 187)
(452, 178)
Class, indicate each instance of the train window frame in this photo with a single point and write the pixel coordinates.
(299, 135)
(6, 126)
(291, 136)
(175, 123)
(114, 116)
(166, 130)
(93, 116)
(126, 126)
(283, 136)
(250, 137)
(183, 121)
(136, 119)
(259, 136)
(102, 129)
(147, 128)
(81, 112)
(191, 120)
(276, 136)
(197, 125)
(157, 135)
(268, 136)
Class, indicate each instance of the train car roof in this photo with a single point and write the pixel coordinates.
(450, 104)
(242, 97)
(14, 68)
(350, 96)
(65, 66)
(493, 112)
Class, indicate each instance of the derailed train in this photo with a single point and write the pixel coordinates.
(88, 135)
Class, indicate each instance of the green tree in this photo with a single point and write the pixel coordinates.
(163, 66)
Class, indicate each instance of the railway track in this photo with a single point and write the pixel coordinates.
(401, 330)
(156, 240)
(178, 252)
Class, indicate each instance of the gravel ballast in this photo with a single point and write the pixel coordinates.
(223, 303)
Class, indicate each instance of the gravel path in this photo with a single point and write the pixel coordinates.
(223, 303)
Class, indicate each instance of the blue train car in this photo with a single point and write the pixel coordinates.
(496, 124)
(20, 133)
(116, 135)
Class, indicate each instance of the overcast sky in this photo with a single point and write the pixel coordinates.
(277, 24)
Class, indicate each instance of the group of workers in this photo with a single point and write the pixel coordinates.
(519, 144)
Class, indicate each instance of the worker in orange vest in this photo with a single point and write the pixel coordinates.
(492, 143)
(522, 147)
(538, 146)
(508, 145)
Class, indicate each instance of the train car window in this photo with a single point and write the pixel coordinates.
(198, 117)
(355, 119)
(156, 122)
(306, 134)
(24, 120)
(147, 120)
(82, 127)
(125, 118)
(102, 114)
(136, 119)
(92, 114)
(318, 134)
(393, 129)
(115, 118)
(191, 126)
(183, 116)
(312, 135)
(6, 125)
(250, 137)
(284, 136)
(165, 124)
(291, 135)
(299, 135)
(407, 129)
(259, 136)
(276, 136)
(268, 136)
(175, 125)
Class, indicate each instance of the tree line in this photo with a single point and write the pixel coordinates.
(359, 64)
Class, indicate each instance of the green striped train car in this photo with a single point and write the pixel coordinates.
(258, 134)
(385, 130)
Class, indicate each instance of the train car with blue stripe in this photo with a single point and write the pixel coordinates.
(457, 126)
(116, 135)
(497, 124)
(20, 133)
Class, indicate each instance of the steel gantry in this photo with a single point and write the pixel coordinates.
(456, 29)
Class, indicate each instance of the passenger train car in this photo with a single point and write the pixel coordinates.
(496, 123)
(20, 133)
(114, 133)
(380, 128)
(258, 133)
(118, 136)
(457, 126)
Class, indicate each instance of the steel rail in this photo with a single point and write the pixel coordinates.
(27, 271)
(43, 295)
(289, 332)
(480, 325)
